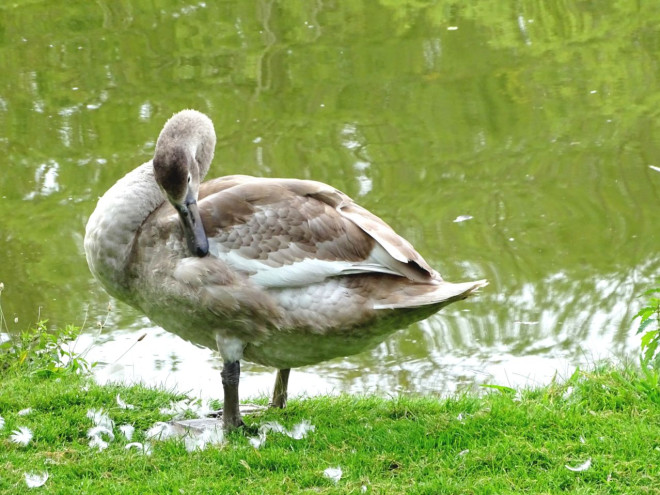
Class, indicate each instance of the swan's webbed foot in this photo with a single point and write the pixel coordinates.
(280, 389)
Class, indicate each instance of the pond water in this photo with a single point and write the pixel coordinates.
(514, 141)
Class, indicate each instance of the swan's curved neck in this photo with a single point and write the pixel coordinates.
(112, 227)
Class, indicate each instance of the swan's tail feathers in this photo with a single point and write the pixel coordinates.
(419, 295)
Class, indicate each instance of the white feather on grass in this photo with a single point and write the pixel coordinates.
(198, 407)
(2, 422)
(96, 439)
(160, 431)
(22, 436)
(97, 431)
(127, 431)
(199, 441)
(35, 480)
(333, 473)
(25, 412)
(145, 448)
(582, 467)
(100, 418)
(298, 432)
(124, 405)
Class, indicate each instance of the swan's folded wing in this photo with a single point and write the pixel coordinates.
(287, 232)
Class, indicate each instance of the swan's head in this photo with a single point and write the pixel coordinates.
(183, 155)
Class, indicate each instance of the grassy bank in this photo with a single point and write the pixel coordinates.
(605, 422)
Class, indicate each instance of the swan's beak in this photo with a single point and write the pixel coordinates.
(193, 229)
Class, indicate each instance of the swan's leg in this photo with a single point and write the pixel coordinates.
(231, 416)
(231, 350)
(281, 385)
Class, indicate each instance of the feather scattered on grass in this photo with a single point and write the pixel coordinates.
(197, 407)
(582, 467)
(98, 443)
(95, 437)
(653, 167)
(199, 441)
(463, 218)
(2, 422)
(298, 432)
(333, 473)
(22, 436)
(25, 412)
(258, 441)
(145, 448)
(463, 452)
(97, 431)
(127, 431)
(160, 431)
(100, 418)
(123, 404)
(35, 480)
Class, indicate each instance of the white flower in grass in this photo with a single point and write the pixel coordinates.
(22, 436)
(582, 467)
(123, 404)
(25, 412)
(128, 431)
(333, 473)
(35, 480)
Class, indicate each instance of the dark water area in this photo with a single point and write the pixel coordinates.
(514, 141)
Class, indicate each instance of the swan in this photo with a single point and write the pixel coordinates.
(280, 272)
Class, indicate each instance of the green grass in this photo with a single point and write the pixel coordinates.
(500, 443)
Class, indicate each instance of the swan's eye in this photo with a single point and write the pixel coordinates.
(189, 178)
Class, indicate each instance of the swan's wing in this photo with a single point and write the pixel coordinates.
(288, 232)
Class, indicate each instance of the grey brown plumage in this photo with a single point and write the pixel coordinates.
(282, 272)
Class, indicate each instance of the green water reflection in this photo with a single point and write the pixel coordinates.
(537, 119)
